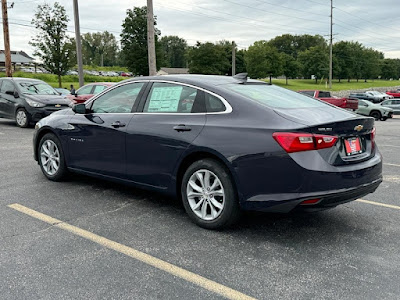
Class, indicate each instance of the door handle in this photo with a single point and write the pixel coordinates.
(181, 128)
(118, 124)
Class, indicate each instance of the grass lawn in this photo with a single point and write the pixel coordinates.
(294, 84)
(309, 84)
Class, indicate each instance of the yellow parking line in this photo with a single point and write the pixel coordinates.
(391, 165)
(141, 256)
(378, 204)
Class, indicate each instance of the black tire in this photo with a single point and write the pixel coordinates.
(22, 122)
(62, 171)
(230, 212)
(376, 114)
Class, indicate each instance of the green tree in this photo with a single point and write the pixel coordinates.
(263, 60)
(294, 44)
(208, 58)
(371, 60)
(343, 60)
(51, 43)
(134, 41)
(291, 67)
(390, 68)
(240, 61)
(315, 61)
(99, 49)
(174, 51)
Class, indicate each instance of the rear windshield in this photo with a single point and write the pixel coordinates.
(274, 96)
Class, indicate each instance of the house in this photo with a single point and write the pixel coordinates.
(17, 57)
(173, 71)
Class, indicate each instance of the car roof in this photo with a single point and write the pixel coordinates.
(206, 80)
(22, 79)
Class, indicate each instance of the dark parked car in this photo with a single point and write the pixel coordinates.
(28, 100)
(223, 144)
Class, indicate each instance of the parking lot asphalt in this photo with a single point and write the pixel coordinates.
(115, 242)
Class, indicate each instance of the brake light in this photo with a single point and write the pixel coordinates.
(297, 142)
(373, 134)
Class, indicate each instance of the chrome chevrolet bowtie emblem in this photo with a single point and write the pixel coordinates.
(358, 128)
(58, 105)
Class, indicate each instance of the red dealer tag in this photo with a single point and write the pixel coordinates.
(353, 146)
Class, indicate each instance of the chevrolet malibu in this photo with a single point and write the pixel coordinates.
(221, 144)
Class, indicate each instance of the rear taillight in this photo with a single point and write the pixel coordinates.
(373, 134)
(296, 142)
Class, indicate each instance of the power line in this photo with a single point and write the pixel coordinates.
(274, 13)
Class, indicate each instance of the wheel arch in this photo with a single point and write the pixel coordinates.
(194, 156)
(43, 131)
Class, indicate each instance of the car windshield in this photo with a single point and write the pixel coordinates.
(274, 96)
(37, 88)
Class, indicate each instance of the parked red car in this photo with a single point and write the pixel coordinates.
(88, 91)
(347, 103)
(395, 93)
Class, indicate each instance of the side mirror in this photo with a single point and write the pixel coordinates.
(79, 108)
(12, 93)
(16, 95)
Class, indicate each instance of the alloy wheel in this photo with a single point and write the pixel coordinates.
(205, 194)
(50, 157)
(21, 118)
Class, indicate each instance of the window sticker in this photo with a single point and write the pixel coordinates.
(165, 99)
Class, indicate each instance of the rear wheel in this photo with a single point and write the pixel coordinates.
(51, 158)
(22, 118)
(375, 114)
(209, 196)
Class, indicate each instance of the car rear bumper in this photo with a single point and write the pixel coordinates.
(283, 188)
(327, 199)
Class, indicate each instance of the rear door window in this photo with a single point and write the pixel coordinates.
(98, 89)
(86, 90)
(170, 98)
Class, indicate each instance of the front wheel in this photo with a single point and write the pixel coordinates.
(51, 158)
(209, 196)
(22, 118)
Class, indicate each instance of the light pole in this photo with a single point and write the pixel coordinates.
(78, 43)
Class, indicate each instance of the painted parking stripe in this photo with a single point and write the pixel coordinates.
(387, 164)
(138, 255)
(378, 204)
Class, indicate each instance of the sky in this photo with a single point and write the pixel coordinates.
(373, 23)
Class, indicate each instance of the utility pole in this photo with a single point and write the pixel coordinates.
(330, 48)
(150, 39)
(78, 43)
(7, 51)
(233, 58)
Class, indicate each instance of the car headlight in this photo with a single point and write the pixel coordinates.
(34, 103)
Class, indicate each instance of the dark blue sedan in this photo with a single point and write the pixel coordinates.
(222, 144)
